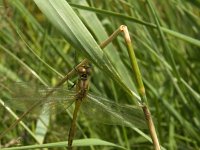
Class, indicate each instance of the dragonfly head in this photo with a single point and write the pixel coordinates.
(84, 71)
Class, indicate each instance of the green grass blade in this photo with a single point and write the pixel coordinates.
(23, 64)
(135, 20)
(77, 143)
(21, 123)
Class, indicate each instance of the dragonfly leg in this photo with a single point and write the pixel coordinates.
(72, 86)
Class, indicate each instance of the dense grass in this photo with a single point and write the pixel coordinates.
(165, 36)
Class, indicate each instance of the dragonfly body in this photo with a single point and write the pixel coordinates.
(81, 89)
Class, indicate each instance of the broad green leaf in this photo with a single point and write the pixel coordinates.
(100, 33)
(65, 19)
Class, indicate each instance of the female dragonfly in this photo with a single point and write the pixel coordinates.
(104, 110)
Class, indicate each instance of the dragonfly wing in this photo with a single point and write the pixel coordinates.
(105, 111)
(20, 96)
(60, 100)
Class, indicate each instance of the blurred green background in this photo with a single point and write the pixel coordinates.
(165, 36)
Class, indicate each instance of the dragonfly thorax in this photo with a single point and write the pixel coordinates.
(83, 81)
(84, 77)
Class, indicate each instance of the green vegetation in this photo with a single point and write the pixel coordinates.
(41, 49)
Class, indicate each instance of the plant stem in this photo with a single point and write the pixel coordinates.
(140, 87)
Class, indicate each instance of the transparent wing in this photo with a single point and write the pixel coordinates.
(102, 110)
(20, 96)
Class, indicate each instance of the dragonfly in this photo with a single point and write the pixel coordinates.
(105, 111)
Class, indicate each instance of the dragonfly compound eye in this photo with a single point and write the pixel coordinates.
(81, 70)
(88, 71)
